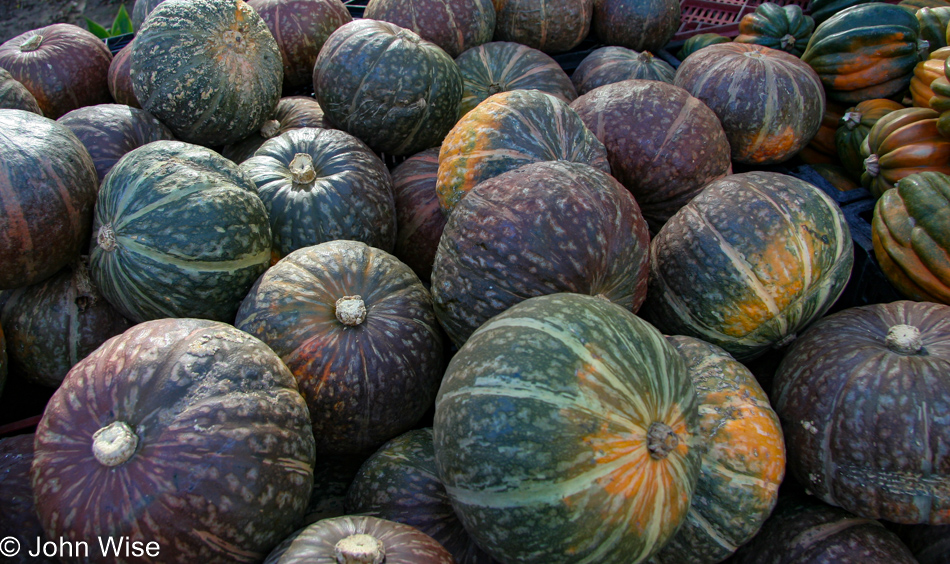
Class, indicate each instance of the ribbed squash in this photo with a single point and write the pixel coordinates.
(902, 143)
(15, 96)
(786, 28)
(567, 430)
(419, 217)
(500, 66)
(751, 285)
(821, 10)
(120, 77)
(292, 112)
(743, 459)
(853, 129)
(552, 26)
(933, 26)
(915, 5)
(924, 74)
(454, 25)
(179, 231)
(861, 398)
(641, 25)
(865, 52)
(606, 65)
(208, 69)
(911, 236)
(821, 148)
(698, 41)
(509, 130)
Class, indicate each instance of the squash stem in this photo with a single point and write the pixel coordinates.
(350, 310)
(114, 444)
(301, 168)
(904, 339)
(359, 549)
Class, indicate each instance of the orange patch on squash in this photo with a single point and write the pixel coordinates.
(777, 145)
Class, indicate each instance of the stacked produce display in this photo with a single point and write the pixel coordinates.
(520, 281)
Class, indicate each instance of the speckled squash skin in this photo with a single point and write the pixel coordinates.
(179, 231)
(18, 518)
(292, 112)
(862, 410)
(400, 482)
(925, 73)
(617, 482)
(803, 530)
(546, 227)
(743, 460)
(853, 129)
(141, 10)
(401, 544)
(109, 131)
(509, 130)
(419, 217)
(52, 325)
(641, 25)
(606, 65)
(120, 77)
(663, 144)
(909, 232)
(213, 454)
(453, 25)
(367, 379)
(47, 193)
(903, 142)
(785, 28)
(208, 69)
(15, 96)
(64, 66)
(386, 85)
(321, 185)
(500, 66)
(552, 26)
(751, 285)
(769, 102)
(301, 27)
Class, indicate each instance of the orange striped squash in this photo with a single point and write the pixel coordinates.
(925, 73)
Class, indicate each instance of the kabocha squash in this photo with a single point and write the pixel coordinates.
(641, 25)
(109, 131)
(18, 518)
(786, 28)
(910, 232)
(751, 285)
(743, 460)
(320, 185)
(924, 74)
(606, 65)
(64, 66)
(301, 27)
(357, 329)
(386, 85)
(454, 25)
(770, 103)
(190, 434)
(52, 325)
(140, 10)
(47, 193)
(698, 41)
(359, 538)
(208, 69)
(506, 131)
(546, 227)
(617, 482)
(861, 396)
(663, 144)
(933, 26)
(15, 96)
(419, 217)
(500, 66)
(292, 112)
(179, 231)
(865, 52)
(120, 77)
(902, 143)
(552, 26)
(400, 482)
(853, 129)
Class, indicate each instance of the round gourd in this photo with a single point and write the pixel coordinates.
(352, 539)
(120, 77)
(785, 28)
(853, 129)
(454, 25)
(552, 26)
(751, 285)
(663, 144)
(184, 432)
(357, 329)
(500, 66)
(64, 66)
(506, 131)
(641, 25)
(861, 396)
(321, 185)
(179, 231)
(208, 69)
(566, 430)
(386, 85)
(292, 112)
(109, 131)
(606, 65)
(18, 518)
(546, 227)
(419, 217)
(746, 85)
(698, 41)
(909, 233)
(47, 192)
(901, 143)
(15, 96)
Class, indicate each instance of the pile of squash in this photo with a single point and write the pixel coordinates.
(401, 288)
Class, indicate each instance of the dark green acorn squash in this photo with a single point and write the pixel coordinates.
(698, 41)
(821, 10)
(292, 112)
(853, 129)
(419, 217)
(785, 28)
(15, 96)
(552, 26)
(454, 25)
(606, 65)
(933, 26)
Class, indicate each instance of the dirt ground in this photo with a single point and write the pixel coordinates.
(19, 16)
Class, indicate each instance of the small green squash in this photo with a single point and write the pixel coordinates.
(853, 129)
(933, 26)
(698, 41)
(785, 28)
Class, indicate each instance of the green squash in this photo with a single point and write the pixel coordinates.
(853, 129)
(780, 27)
(933, 26)
(698, 41)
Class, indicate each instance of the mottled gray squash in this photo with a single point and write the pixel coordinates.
(15, 96)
